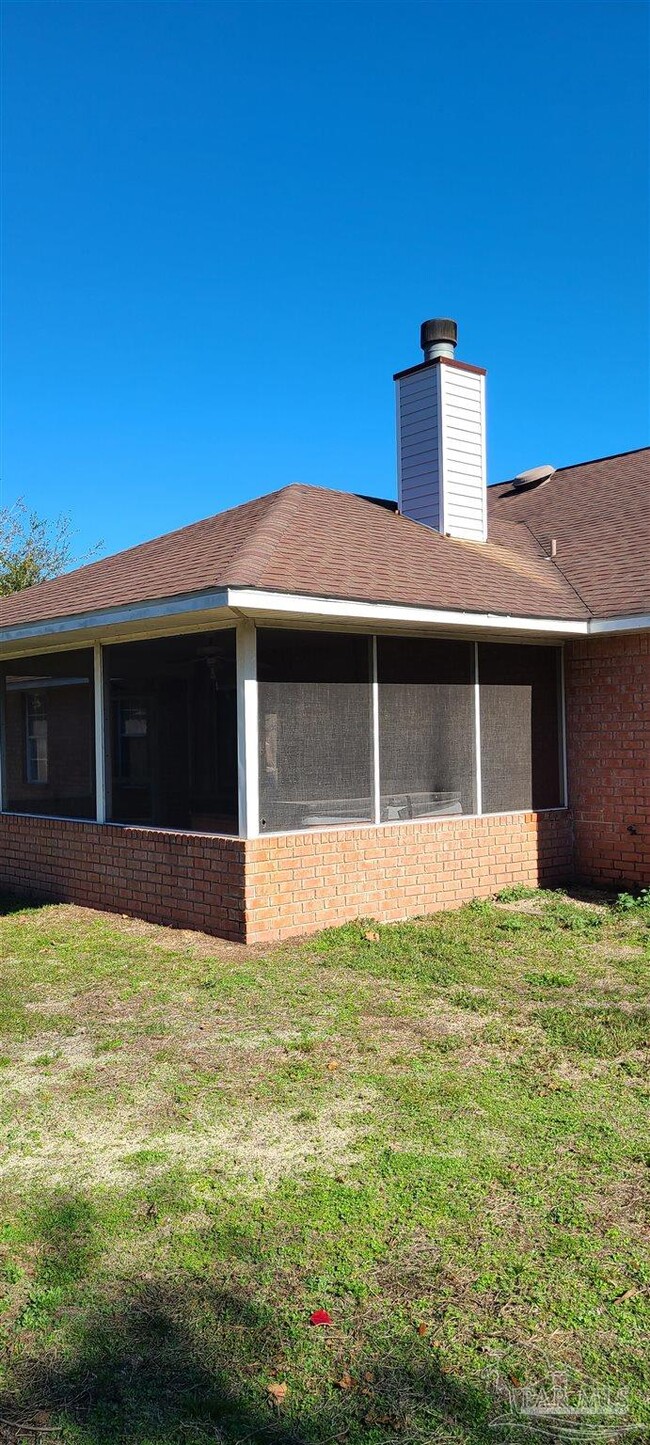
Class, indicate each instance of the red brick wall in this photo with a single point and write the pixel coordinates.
(608, 746)
(185, 879)
(285, 884)
(299, 882)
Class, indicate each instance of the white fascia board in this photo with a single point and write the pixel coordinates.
(197, 610)
(255, 602)
(92, 624)
(600, 625)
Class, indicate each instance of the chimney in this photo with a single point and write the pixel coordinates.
(441, 470)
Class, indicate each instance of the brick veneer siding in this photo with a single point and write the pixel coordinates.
(300, 882)
(188, 880)
(607, 683)
(282, 884)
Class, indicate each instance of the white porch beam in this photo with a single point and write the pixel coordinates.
(247, 731)
(305, 609)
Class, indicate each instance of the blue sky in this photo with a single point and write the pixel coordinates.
(223, 225)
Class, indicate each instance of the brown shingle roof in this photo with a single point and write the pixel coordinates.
(599, 514)
(336, 544)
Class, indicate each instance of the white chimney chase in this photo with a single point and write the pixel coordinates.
(441, 462)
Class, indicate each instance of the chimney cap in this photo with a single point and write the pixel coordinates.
(440, 328)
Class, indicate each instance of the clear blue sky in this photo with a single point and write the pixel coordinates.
(223, 225)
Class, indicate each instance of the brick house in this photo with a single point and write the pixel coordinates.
(319, 705)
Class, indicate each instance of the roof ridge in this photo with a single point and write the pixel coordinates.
(574, 466)
(609, 457)
(267, 534)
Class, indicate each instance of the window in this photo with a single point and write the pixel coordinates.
(315, 723)
(426, 727)
(36, 737)
(132, 743)
(520, 726)
(50, 734)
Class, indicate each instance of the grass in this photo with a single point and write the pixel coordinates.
(437, 1131)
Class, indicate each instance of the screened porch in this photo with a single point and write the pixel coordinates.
(245, 730)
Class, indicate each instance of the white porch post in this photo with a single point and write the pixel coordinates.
(477, 735)
(376, 776)
(247, 731)
(100, 734)
(563, 738)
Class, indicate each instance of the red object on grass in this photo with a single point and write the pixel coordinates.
(320, 1317)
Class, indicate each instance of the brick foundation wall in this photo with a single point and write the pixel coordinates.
(184, 879)
(300, 882)
(607, 683)
(283, 884)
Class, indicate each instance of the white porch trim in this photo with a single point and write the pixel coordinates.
(259, 604)
(199, 611)
(376, 773)
(478, 789)
(247, 731)
(100, 733)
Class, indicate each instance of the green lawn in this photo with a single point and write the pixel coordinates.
(438, 1132)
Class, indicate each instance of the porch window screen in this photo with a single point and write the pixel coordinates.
(172, 732)
(520, 726)
(49, 731)
(426, 727)
(315, 725)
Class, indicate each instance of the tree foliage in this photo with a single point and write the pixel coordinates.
(33, 548)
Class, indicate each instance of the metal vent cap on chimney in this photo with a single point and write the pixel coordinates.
(438, 337)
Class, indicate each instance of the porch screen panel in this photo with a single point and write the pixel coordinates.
(520, 726)
(315, 726)
(172, 732)
(426, 727)
(49, 734)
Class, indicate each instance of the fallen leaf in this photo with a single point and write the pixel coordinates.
(277, 1393)
(333, 1064)
(423, 1329)
(627, 1294)
(368, 1377)
(345, 1383)
(320, 1317)
(372, 935)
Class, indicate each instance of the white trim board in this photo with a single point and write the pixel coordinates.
(121, 616)
(247, 731)
(257, 601)
(204, 610)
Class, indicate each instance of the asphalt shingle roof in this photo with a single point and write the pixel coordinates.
(599, 515)
(311, 540)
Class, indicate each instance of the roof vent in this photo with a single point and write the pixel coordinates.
(534, 478)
